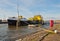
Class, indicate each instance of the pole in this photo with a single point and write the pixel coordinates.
(17, 14)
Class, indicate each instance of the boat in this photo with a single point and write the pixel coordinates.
(13, 21)
(3, 21)
(0, 20)
(25, 22)
(38, 19)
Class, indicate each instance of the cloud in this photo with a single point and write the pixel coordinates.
(6, 13)
(25, 12)
(27, 3)
(56, 5)
(9, 8)
(53, 18)
(6, 3)
(13, 12)
(31, 3)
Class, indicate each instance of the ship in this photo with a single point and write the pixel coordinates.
(37, 19)
(3, 21)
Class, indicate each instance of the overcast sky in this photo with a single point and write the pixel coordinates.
(48, 9)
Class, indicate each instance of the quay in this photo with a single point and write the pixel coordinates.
(53, 37)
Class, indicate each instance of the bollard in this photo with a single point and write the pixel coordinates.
(51, 24)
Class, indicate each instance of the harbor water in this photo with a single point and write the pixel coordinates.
(8, 33)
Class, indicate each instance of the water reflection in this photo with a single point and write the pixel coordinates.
(11, 27)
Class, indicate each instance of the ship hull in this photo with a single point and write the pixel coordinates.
(22, 23)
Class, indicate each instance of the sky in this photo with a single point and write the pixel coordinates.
(48, 9)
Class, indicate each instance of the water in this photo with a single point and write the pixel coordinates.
(10, 33)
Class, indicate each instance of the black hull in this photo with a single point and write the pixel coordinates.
(22, 23)
(13, 22)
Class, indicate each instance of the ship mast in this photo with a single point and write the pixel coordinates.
(17, 14)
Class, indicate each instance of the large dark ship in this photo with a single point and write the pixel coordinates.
(24, 22)
(21, 22)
